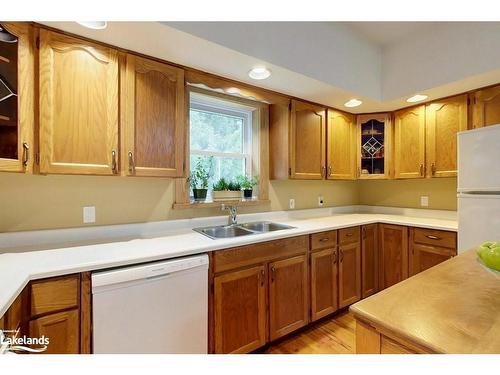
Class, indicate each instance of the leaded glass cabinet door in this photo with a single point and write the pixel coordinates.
(374, 146)
(16, 97)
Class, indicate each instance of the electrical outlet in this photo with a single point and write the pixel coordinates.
(320, 201)
(89, 215)
(424, 201)
(291, 204)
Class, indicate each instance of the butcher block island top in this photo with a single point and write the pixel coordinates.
(453, 307)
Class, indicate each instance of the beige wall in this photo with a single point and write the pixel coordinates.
(442, 193)
(29, 202)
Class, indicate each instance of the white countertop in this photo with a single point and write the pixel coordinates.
(17, 269)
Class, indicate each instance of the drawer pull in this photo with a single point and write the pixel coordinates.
(430, 236)
(348, 235)
(324, 239)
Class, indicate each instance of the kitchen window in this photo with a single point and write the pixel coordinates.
(220, 134)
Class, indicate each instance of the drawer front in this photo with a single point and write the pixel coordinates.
(324, 240)
(243, 256)
(54, 295)
(348, 235)
(435, 237)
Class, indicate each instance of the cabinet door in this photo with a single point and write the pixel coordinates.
(324, 284)
(393, 254)
(374, 146)
(341, 146)
(240, 310)
(17, 99)
(423, 257)
(443, 120)
(78, 106)
(409, 143)
(369, 260)
(154, 118)
(486, 107)
(288, 296)
(62, 330)
(307, 136)
(349, 274)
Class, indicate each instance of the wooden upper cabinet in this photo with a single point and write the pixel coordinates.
(485, 107)
(369, 260)
(324, 285)
(79, 105)
(409, 143)
(393, 255)
(374, 146)
(288, 295)
(154, 123)
(308, 141)
(443, 120)
(17, 109)
(349, 273)
(240, 310)
(341, 146)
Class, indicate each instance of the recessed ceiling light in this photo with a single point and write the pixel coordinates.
(96, 25)
(259, 72)
(416, 98)
(353, 103)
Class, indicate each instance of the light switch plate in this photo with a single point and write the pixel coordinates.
(424, 201)
(292, 204)
(89, 215)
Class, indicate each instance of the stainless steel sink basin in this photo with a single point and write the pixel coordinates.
(224, 231)
(230, 231)
(265, 226)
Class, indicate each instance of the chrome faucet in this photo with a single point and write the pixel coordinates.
(233, 211)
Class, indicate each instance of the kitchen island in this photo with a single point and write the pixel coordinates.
(453, 307)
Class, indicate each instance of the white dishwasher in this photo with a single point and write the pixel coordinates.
(159, 307)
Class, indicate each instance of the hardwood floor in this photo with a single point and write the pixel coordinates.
(335, 335)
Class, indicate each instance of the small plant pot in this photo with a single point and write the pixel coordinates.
(200, 194)
(226, 195)
(247, 193)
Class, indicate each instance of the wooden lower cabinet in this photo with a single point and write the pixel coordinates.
(240, 310)
(349, 274)
(324, 284)
(288, 296)
(369, 260)
(62, 329)
(393, 254)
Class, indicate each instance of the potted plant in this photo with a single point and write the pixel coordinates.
(247, 184)
(226, 190)
(198, 179)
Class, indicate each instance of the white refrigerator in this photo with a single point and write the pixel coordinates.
(478, 187)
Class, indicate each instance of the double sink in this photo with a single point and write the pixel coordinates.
(237, 230)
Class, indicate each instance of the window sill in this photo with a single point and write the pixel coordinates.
(217, 204)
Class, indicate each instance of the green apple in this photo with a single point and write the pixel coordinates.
(491, 258)
(484, 247)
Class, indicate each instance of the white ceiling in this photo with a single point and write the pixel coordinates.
(381, 63)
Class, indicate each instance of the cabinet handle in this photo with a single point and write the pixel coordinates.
(430, 236)
(113, 161)
(324, 239)
(26, 154)
(334, 257)
(421, 170)
(273, 272)
(262, 276)
(364, 233)
(341, 256)
(359, 172)
(131, 164)
(330, 170)
(433, 168)
(348, 235)
(323, 171)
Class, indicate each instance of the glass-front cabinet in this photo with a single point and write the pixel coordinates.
(374, 146)
(16, 96)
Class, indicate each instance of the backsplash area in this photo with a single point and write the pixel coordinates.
(30, 202)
